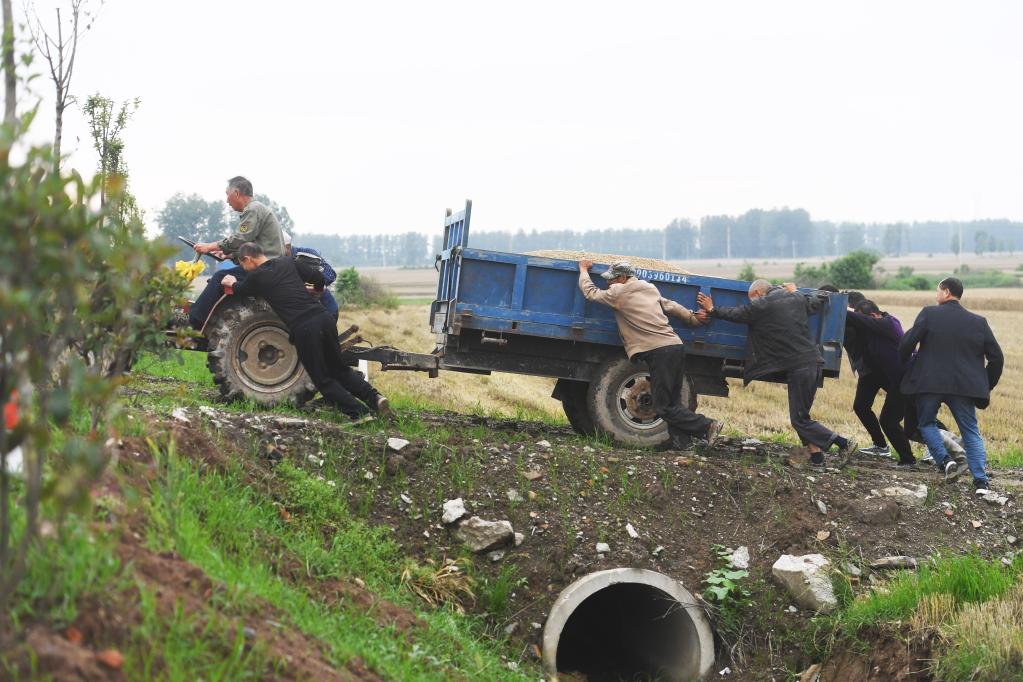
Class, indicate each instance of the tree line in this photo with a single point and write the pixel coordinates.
(754, 235)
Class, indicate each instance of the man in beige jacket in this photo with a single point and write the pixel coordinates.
(641, 313)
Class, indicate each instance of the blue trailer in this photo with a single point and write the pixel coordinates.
(509, 312)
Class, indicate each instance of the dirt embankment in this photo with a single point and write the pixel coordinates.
(564, 495)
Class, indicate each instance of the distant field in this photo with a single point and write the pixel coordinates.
(758, 410)
(422, 282)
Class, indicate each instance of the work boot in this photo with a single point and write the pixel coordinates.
(816, 460)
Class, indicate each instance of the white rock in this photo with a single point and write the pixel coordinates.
(368, 475)
(603, 548)
(543, 444)
(397, 444)
(453, 510)
(207, 411)
(291, 421)
(405, 498)
(513, 495)
(752, 441)
(906, 497)
(332, 484)
(15, 462)
(657, 550)
(996, 499)
(480, 535)
(313, 459)
(807, 579)
(740, 558)
(519, 539)
(823, 507)
(587, 448)
(181, 414)
(631, 531)
(496, 555)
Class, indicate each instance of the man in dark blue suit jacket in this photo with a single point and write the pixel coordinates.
(958, 364)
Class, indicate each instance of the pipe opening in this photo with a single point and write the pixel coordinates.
(628, 624)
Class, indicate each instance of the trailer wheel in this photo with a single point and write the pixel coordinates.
(572, 395)
(620, 403)
(250, 355)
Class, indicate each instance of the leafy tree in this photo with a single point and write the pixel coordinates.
(810, 276)
(981, 242)
(746, 274)
(193, 217)
(80, 292)
(854, 271)
(106, 122)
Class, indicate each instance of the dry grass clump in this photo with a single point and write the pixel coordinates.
(985, 642)
(446, 584)
(609, 258)
(933, 611)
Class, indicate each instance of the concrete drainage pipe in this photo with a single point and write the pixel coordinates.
(626, 624)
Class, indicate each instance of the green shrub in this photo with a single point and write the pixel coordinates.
(358, 291)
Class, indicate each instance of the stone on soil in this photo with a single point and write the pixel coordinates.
(453, 510)
(893, 562)
(480, 535)
(807, 579)
(603, 548)
(907, 497)
(740, 558)
(397, 444)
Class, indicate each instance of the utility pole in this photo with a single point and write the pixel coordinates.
(728, 241)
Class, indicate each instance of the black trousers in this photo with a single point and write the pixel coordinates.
(316, 341)
(892, 414)
(802, 384)
(667, 368)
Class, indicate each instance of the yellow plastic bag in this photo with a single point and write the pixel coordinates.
(189, 269)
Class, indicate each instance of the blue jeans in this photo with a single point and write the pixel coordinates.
(964, 410)
(200, 310)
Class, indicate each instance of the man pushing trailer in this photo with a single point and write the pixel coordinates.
(778, 346)
(641, 313)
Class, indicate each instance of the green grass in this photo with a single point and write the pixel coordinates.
(222, 525)
(967, 579)
(183, 365)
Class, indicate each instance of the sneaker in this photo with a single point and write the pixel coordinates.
(927, 456)
(383, 406)
(951, 469)
(362, 419)
(981, 488)
(714, 431)
(816, 461)
(877, 451)
(906, 465)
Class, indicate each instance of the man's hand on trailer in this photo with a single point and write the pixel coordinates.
(585, 265)
(705, 302)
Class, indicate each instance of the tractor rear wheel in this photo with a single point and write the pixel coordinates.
(250, 355)
(620, 403)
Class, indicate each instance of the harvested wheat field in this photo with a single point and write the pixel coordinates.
(757, 410)
(609, 258)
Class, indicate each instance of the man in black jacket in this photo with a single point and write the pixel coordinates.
(281, 281)
(950, 368)
(778, 347)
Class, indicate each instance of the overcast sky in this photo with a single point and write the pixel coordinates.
(375, 116)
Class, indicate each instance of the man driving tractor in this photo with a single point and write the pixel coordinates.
(258, 225)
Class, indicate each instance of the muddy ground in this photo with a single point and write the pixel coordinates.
(566, 495)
